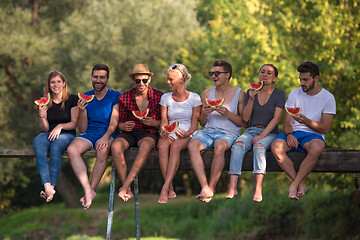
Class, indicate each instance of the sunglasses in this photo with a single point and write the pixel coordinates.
(176, 67)
(137, 81)
(216, 73)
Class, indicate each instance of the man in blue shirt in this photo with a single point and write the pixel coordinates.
(98, 121)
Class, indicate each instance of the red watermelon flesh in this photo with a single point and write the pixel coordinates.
(257, 86)
(140, 115)
(43, 101)
(293, 111)
(171, 128)
(86, 98)
(214, 103)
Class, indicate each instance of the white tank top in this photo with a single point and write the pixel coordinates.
(221, 123)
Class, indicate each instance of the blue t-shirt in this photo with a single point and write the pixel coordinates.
(99, 111)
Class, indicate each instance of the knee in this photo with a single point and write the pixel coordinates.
(277, 147)
(193, 146)
(146, 146)
(175, 148)
(220, 149)
(258, 145)
(72, 150)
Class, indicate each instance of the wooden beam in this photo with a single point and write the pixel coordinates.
(346, 161)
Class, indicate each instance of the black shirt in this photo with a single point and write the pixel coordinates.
(57, 115)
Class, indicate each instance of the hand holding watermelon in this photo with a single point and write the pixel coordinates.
(43, 111)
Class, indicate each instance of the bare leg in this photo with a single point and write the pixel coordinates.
(118, 147)
(314, 148)
(102, 156)
(258, 189)
(218, 162)
(145, 146)
(77, 147)
(174, 160)
(232, 186)
(279, 148)
(164, 149)
(194, 148)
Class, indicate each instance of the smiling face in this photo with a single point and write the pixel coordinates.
(222, 77)
(99, 80)
(141, 82)
(174, 79)
(56, 85)
(267, 74)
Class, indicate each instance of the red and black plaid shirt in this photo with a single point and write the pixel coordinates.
(127, 104)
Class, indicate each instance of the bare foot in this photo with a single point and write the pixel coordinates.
(43, 195)
(125, 194)
(293, 192)
(171, 194)
(88, 199)
(163, 198)
(257, 196)
(49, 192)
(232, 193)
(205, 195)
(301, 190)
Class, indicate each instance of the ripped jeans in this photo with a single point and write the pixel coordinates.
(238, 152)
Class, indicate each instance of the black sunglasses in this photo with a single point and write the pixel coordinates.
(137, 81)
(217, 73)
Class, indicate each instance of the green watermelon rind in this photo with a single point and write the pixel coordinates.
(214, 103)
(143, 114)
(84, 97)
(174, 125)
(287, 109)
(256, 88)
(37, 102)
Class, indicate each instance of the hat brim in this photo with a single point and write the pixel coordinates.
(147, 73)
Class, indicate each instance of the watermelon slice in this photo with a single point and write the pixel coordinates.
(257, 86)
(43, 101)
(171, 128)
(86, 98)
(140, 115)
(293, 111)
(214, 103)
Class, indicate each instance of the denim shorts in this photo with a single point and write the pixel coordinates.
(209, 137)
(93, 137)
(251, 132)
(302, 137)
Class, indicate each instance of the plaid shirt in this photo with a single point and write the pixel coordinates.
(127, 104)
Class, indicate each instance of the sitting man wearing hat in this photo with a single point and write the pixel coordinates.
(142, 133)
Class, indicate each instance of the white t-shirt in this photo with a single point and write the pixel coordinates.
(312, 107)
(180, 111)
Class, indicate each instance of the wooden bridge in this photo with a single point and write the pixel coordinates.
(342, 161)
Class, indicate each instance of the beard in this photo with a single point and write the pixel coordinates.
(306, 89)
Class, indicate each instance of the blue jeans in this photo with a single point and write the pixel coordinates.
(49, 173)
(238, 152)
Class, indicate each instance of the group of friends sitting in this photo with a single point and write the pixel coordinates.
(108, 124)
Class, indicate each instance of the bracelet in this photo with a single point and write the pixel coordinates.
(41, 116)
(288, 134)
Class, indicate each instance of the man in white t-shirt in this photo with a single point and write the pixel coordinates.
(304, 132)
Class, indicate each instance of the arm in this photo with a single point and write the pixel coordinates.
(82, 121)
(235, 118)
(104, 140)
(291, 141)
(249, 106)
(43, 122)
(321, 127)
(194, 124)
(164, 121)
(66, 126)
(206, 109)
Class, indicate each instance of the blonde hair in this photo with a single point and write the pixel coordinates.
(65, 92)
(182, 69)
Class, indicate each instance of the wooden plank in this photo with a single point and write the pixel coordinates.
(330, 160)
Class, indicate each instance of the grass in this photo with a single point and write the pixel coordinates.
(323, 213)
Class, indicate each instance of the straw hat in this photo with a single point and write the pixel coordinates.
(141, 69)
